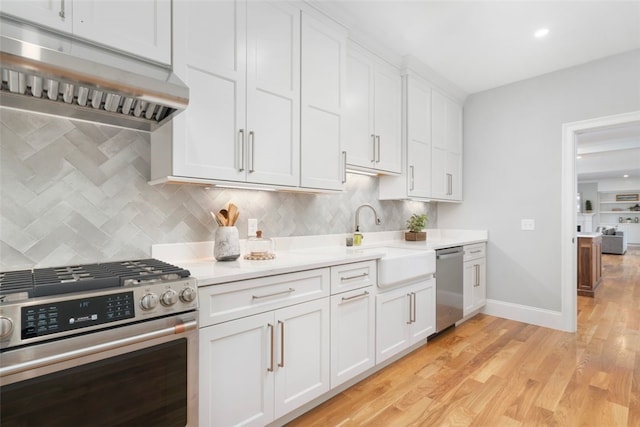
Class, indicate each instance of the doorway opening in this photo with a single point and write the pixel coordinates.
(568, 273)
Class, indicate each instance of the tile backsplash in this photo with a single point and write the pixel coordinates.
(74, 192)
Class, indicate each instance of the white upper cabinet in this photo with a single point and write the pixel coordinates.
(142, 28)
(446, 137)
(242, 63)
(323, 83)
(138, 27)
(372, 114)
(55, 14)
(416, 183)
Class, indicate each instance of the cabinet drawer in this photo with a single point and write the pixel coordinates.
(353, 276)
(478, 250)
(220, 303)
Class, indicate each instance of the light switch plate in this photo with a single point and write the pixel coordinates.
(252, 227)
(528, 224)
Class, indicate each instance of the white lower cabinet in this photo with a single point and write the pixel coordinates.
(474, 278)
(352, 334)
(404, 316)
(256, 369)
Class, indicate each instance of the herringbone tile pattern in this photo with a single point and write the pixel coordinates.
(74, 192)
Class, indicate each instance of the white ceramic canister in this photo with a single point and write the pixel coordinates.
(227, 244)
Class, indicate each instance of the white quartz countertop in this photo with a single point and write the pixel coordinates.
(302, 253)
(589, 234)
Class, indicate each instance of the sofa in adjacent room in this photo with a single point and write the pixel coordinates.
(613, 241)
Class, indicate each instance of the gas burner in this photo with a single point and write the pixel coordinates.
(61, 280)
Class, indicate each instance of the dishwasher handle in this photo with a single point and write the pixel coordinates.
(449, 253)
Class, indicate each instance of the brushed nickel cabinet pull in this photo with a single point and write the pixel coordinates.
(61, 13)
(373, 140)
(354, 297)
(476, 251)
(378, 146)
(288, 291)
(412, 186)
(344, 167)
(410, 308)
(359, 276)
(413, 299)
(281, 323)
(240, 159)
(273, 343)
(252, 148)
(449, 184)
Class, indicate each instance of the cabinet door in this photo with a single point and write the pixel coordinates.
(388, 109)
(56, 14)
(424, 310)
(352, 334)
(439, 179)
(453, 175)
(418, 139)
(140, 27)
(210, 138)
(359, 138)
(475, 285)
(480, 290)
(236, 378)
(323, 83)
(392, 323)
(273, 93)
(302, 354)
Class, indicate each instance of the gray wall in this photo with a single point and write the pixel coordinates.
(74, 193)
(512, 167)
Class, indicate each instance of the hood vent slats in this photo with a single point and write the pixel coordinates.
(96, 85)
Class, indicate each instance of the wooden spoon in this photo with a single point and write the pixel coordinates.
(233, 211)
(221, 219)
(215, 216)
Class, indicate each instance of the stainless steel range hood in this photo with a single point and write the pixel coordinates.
(51, 73)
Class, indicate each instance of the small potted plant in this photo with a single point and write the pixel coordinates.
(416, 224)
(587, 206)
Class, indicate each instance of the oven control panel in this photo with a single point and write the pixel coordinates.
(60, 316)
(37, 319)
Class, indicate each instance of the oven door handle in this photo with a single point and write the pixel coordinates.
(111, 345)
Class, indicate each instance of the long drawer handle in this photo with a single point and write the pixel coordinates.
(359, 276)
(273, 343)
(373, 139)
(354, 297)
(275, 294)
(410, 308)
(477, 251)
(99, 348)
(281, 323)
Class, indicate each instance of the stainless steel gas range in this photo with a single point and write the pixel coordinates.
(102, 344)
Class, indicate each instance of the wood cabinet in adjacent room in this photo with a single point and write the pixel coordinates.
(589, 265)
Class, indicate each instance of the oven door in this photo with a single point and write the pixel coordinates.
(136, 375)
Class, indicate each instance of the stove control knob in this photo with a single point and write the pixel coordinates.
(6, 327)
(149, 301)
(188, 294)
(168, 298)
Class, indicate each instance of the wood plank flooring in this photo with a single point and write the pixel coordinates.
(496, 372)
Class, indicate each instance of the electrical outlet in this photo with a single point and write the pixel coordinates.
(528, 224)
(252, 227)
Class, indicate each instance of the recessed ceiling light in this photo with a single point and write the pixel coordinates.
(625, 176)
(541, 33)
(578, 157)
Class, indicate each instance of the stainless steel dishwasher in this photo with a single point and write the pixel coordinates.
(449, 285)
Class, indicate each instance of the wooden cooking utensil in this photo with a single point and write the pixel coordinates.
(222, 219)
(216, 218)
(233, 211)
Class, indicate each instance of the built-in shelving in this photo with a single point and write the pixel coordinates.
(617, 213)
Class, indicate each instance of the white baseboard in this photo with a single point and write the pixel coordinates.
(524, 313)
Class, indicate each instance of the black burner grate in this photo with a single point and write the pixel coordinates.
(62, 280)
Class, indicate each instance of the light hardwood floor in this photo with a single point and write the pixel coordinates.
(496, 372)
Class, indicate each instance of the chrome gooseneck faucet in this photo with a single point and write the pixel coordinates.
(366, 205)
